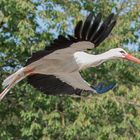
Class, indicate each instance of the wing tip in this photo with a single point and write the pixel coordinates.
(101, 88)
(94, 28)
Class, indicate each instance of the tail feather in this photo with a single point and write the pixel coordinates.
(11, 78)
(6, 90)
(10, 81)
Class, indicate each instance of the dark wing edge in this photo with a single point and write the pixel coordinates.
(51, 85)
(94, 29)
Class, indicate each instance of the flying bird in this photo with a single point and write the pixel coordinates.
(55, 70)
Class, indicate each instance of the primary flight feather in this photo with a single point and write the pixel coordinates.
(55, 70)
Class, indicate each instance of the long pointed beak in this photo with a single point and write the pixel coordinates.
(132, 58)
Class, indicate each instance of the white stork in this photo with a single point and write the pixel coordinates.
(55, 70)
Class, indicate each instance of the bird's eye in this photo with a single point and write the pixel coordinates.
(122, 52)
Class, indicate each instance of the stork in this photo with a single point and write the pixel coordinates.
(55, 70)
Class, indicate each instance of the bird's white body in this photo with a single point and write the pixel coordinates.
(64, 62)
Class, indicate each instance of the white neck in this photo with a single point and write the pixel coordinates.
(105, 56)
(85, 60)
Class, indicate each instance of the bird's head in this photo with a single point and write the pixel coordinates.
(121, 53)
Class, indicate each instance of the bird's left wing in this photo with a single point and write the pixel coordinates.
(93, 30)
(65, 84)
(87, 34)
(75, 80)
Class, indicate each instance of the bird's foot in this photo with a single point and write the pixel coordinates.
(102, 88)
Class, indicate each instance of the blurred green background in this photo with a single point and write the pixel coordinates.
(26, 114)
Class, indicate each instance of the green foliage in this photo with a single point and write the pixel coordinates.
(27, 114)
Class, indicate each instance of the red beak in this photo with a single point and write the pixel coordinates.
(132, 58)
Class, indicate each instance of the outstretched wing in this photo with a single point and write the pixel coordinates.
(60, 84)
(51, 85)
(93, 30)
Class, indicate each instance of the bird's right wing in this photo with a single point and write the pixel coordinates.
(65, 84)
(87, 35)
(92, 30)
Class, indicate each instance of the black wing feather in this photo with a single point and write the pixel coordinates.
(72, 38)
(105, 34)
(36, 56)
(94, 26)
(102, 28)
(77, 30)
(59, 43)
(86, 26)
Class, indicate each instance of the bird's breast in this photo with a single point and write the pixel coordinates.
(83, 60)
